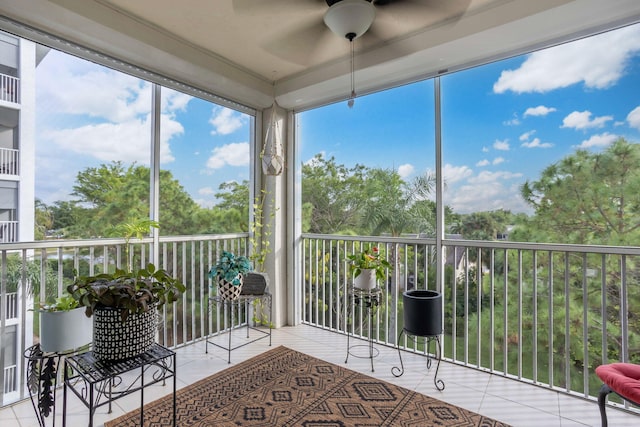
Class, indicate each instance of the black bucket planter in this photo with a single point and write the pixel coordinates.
(422, 318)
(422, 313)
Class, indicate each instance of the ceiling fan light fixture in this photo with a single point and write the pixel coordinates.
(350, 18)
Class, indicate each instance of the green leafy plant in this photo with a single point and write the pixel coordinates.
(371, 259)
(133, 228)
(134, 292)
(261, 230)
(65, 302)
(230, 267)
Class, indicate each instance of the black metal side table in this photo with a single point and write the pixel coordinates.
(93, 381)
(240, 307)
(368, 300)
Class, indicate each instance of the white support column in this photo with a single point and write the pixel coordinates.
(275, 211)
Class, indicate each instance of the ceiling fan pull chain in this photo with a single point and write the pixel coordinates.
(352, 98)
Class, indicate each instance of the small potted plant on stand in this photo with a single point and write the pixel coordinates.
(63, 325)
(228, 273)
(368, 267)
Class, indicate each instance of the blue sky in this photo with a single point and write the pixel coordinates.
(502, 123)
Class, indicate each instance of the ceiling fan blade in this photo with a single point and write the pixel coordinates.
(276, 7)
(301, 44)
(413, 11)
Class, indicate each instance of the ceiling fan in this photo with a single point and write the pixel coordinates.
(310, 25)
(317, 22)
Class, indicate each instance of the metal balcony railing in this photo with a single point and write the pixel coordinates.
(10, 381)
(42, 270)
(8, 231)
(544, 314)
(9, 89)
(9, 161)
(10, 306)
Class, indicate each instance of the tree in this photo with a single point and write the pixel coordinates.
(231, 214)
(391, 203)
(111, 194)
(589, 197)
(333, 195)
(65, 215)
(484, 225)
(43, 220)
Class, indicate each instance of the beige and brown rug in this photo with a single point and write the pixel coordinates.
(283, 387)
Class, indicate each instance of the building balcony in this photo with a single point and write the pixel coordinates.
(500, 339)
(9, 161)
(9, 89)
(8, 231)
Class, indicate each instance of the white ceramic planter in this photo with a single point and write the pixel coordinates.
(366, 279)
(64, 330)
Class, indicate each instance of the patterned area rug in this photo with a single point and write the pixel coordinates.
(283, 387)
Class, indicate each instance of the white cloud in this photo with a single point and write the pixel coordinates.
(599, 62)
(234, 154)
(525, 136)
(485, 149)
(313, 162)
(174, 101)
(89, 90)
(514, 121)
(485, 196)
(540, 110)
(601, 140)
(206, 191)
(205, 203)
(405, 170)
(582, 120)
(536, 143)
(454, 174)
(501, 145)
(127, 141)
(486, 162)
(226, 121)
(485, 177)
(633, 118)
(93, 111)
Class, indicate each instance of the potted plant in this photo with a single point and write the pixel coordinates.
(63, 325)
(124, 303)
(228, 272)
(368, 267)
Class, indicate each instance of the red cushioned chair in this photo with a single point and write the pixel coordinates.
(622, 379)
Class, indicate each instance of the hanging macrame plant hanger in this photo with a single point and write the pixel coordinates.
(272, 152)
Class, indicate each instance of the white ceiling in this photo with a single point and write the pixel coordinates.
(252, 50)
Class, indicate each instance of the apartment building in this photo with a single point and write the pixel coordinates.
(18, 62)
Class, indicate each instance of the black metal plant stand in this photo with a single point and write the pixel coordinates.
(368, 299)
(422, 318)
(97, 383)
(398, 371)
(42, 380)
(241, 307)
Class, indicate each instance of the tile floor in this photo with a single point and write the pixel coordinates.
(506, 400)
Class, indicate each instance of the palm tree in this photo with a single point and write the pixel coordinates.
(392, 209)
